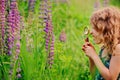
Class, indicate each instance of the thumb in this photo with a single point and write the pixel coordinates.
(87, 39)
(89, 44)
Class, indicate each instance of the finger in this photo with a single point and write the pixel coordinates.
(86, 44)
(87, 47)
(83, 48)
(87, 39)
(90, 45)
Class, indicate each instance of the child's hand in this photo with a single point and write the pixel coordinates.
(89, 49)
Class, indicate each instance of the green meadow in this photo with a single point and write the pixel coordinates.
(69, 61)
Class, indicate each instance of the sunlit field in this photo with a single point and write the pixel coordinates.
(42, 39)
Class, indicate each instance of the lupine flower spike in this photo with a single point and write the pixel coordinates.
(62, 37)
(46, 21)
(29, 27)
(105, 3)
(45, 9)
(31, 5)
(2, 24)
(61, 1)
(97, 5)
(14, 32)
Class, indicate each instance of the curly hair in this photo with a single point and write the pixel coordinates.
(107, 22)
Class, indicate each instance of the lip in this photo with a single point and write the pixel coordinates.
(93, 36)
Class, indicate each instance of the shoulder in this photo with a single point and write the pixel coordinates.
(117, 50)
(117, 46)
(115, 62)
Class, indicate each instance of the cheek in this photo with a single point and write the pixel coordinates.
(99, 39)
(94, 32)
(95, 35)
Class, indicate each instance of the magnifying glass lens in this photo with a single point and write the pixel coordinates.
(86, 31)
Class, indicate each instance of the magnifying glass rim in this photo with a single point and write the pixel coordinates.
(86, 30)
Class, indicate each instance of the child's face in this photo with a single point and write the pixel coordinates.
(96, 36)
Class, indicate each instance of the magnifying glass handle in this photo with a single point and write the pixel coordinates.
(87, 39)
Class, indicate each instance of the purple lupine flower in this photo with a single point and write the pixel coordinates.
(46, 21)
(105, 3)
(14, 32)
(61, 1)
(31, 5)
(47, 42)
(62, 37)
(10, 72)
(48, 30)
(14, 26)
(19, 76)
(96, 5)
(19, 71)
(22, 22)
(30, 20)
(50, 42)
(45, 9)
(17, 33)
(2, 24)
(11, 24)
(2, 17)
(51, 54)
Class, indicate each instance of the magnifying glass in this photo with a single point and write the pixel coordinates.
(86, 32)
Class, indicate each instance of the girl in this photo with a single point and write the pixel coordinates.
(105, 31)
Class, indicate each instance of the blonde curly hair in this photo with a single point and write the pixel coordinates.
(107, 22)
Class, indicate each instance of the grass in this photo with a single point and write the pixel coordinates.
(70, 63)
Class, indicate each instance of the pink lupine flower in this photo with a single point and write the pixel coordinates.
(2, 24)
(62, 37)
(31, 5)
(14, 32)
(97, 5)
(45, 9)
(51, 54)
(19, 76)
(46, 18)
(105, 3)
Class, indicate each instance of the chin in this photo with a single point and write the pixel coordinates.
(98, 41)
